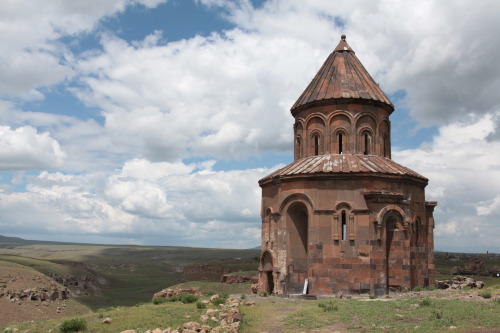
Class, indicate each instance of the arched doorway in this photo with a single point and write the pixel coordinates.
(396, 252)
(267, 268)
(297, 230)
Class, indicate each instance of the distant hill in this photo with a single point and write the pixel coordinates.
(6, 242)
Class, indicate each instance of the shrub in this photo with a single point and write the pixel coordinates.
(223, 295)
(160, 300)
(187, 298)
(264, 294)
(372, 297)
(73, 325)
(437, 314)
(328, 307)
(425, 302)
(218, 301)
(485, 294)
(242, 296)
(210, 293)
(200, 305)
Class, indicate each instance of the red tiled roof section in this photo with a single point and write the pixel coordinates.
(343, 164)
(342, 76)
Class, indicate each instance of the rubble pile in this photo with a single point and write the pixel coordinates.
(459, 282)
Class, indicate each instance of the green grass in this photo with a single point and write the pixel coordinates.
(141, 318)
(398, 315)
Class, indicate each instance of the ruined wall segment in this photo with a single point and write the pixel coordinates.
(343, 215)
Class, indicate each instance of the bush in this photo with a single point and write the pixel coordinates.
(242, 296)
(218, 301)
(73, 325)
(160, 300)
(485, 294)
(425, 302)
(437, 314)
(200, 305)
(187, 298)
(223, 295)
(264, 294)
(328, 307)
(210, 293)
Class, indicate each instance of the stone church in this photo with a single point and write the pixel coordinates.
(344, 217)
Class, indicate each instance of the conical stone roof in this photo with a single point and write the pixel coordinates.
(342, 78)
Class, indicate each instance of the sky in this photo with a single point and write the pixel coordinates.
(150, 122)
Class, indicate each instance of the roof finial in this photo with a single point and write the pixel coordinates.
(342, 37)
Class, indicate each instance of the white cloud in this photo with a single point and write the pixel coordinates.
(228, 96)
(463, 169)
(167, 203)
(31, 54)
(24, 148)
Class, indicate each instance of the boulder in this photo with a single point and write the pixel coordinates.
(192, 325)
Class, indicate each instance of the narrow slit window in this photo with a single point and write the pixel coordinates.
(367, 144)
(344, 226)
(298, 147)
(384, 146)
(316, 145)
(340, 143)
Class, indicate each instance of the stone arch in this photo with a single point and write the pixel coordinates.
(366, 127)
(267, 229)
(296, 197)
(385, 134)
(316, 139)
(315, 126)
(417, 230)
(299, 146)
(315, 120)
(383, 212)
(297, 210)
(343, 222)
(365, 141)
(267, 269)
(366, 120)
(340, 141)
(397, 249)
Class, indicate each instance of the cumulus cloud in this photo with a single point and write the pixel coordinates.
(31, 54)
(227, 96)
(165, 203)
(462, 167)
(215, 96)
(24, 148)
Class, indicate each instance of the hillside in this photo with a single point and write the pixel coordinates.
(114, 275)
(23, 290)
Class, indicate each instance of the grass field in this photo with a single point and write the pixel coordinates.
(128, 276)
(125, 275)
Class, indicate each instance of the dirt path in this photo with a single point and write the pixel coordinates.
(273, 312)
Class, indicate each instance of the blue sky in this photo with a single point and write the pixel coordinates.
(151, 121)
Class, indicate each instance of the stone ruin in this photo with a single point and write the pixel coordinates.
(459, 282)
(475, 268)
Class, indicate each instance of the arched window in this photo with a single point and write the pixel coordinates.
(344, 225)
